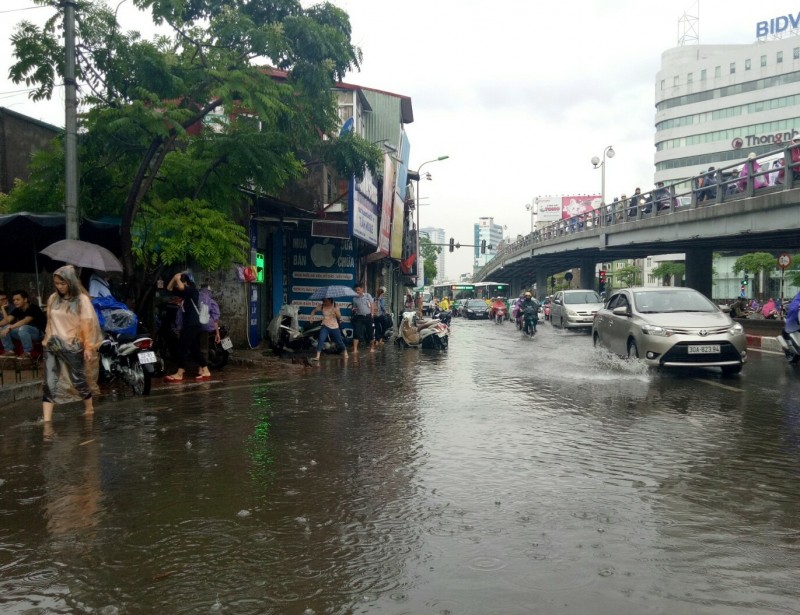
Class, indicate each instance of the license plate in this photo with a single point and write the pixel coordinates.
(226, 343)
(704, 349)
(146, 357)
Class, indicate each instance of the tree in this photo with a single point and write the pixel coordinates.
(178, 125)
(793, 272)
(669, 272)
(430, 253)
(755, 263)
(628, 275)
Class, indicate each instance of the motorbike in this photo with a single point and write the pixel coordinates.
(284, 332)
(547, 311)
(789, 338)
(499, 316)
(530, 317)
(130, 358)
(415, 332)
(446, 316)
(168, 338)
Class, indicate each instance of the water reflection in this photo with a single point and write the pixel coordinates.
(506, 475)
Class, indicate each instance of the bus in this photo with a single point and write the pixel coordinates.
(468, 290)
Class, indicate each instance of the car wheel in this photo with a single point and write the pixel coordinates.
(633, 349)
(731, 370)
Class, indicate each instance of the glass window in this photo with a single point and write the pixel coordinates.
(662, 84)
(733, 68)
(747, 64)
(717, 72)
(689, 78)
(779, 57)
(796, 53)
(676, 81)
(763, 61)
(703, 75)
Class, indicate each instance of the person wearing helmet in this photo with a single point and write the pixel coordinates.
(530, 313)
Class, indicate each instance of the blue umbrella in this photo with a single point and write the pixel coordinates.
(332, 292)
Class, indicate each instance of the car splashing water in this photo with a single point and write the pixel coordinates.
(507, 475)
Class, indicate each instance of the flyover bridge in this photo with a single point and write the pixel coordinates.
(737, 216)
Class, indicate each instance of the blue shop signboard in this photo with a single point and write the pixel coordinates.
(320, 262)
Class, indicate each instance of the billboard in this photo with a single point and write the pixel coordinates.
(548, 208)
(579, 204)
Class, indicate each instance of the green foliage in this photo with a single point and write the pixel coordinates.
(629, 275)
(184, 230)
(792, 273)
(755, 262)
(669, 272)
(430, 253)
(177, 126)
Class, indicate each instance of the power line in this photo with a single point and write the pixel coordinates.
(30, 8)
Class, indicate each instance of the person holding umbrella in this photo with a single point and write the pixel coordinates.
(330, 326)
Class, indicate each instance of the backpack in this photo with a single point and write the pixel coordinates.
(203, 313)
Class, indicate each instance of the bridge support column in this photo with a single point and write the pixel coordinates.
(541, 284)
(516, 286)
(587, 274)
(699, 263)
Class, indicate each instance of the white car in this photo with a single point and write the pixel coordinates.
(574, 309)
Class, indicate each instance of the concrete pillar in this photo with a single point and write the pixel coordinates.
(541, 284)
(587, 274)
(699, 263)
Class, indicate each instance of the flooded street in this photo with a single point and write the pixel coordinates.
(507, 475)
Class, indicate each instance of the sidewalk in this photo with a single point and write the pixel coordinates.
(20, 380)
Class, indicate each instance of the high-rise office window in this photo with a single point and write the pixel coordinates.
(779, 57)
(796, 53)
(703, 75)
(747, 64)
(717, 72)
(676, 81)
(763, 61)
(733, 68)
(689, 78)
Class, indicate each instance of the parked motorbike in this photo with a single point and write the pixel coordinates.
(415, 332)
(446, 316)
(130, 358)
(790, 336)
(530, 317)
(284, 332)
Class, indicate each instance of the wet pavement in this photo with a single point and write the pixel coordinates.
(507, 475)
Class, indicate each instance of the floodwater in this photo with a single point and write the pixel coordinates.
(507, 475)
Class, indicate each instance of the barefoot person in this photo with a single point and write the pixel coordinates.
(71, 339)
(181, 285)
(329, 328)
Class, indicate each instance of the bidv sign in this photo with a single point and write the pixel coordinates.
(776, 25)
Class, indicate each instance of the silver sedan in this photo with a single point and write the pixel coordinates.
(670, 327)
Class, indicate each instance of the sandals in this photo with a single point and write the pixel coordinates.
(172, 379)
(202, 378)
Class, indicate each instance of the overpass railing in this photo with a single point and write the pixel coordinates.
(731, 183)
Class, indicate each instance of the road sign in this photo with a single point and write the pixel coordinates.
(784, 260)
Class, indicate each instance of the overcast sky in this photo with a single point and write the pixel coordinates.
(520, 94)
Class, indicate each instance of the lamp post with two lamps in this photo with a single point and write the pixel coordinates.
(416, 175)
(608, 152)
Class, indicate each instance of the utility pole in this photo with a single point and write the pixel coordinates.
(70, 123)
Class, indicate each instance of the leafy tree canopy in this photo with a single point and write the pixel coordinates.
(669, 271)
(232, 94)
(755, 262)
(430, 253)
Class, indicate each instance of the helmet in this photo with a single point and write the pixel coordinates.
(528, 294)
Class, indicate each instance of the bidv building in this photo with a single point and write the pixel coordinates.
(717, 103)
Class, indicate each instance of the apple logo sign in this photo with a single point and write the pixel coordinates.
(322, 254)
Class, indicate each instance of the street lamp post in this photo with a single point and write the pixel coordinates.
(534, 209)
(419, 255)
(607, 153)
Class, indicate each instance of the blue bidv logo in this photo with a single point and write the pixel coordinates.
(776, 25)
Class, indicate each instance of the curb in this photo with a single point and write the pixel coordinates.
(763, 342)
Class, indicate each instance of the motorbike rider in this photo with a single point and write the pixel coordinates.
(793, 315)
(497, 304)
(528, 304)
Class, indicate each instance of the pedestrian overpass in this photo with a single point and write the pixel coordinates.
(766, 219)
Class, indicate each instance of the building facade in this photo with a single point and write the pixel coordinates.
(436, 235)
(486, 231)
(717, 103)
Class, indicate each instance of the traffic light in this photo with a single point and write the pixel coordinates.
(483, 246)
(452, 244)
(744, 282)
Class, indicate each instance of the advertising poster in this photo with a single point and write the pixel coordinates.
(320, 262)
(581, 204)
(398, 220)
(548, 209)
(363, 206)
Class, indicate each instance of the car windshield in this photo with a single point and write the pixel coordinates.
(583, 297)
(476, 303)
(649, 302)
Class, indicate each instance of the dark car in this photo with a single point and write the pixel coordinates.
(475, 308)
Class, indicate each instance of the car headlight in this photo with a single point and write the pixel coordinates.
(571, 313)
(654, 330)
(736, 329)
